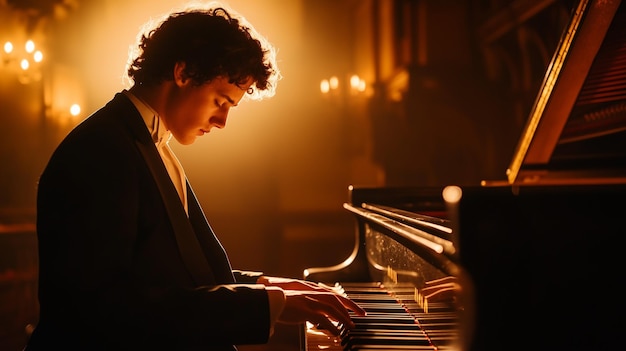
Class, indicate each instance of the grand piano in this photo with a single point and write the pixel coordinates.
(531, 262)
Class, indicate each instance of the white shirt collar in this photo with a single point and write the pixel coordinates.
(160, 135)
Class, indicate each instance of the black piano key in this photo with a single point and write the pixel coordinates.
(439, 326)
(373, 298)
(382, 328)
(387, 326)
(360, 285)
(432, 307)
(381, 334)
(441, 318)
(364, 320)
(386, 309)
(392, 348)
(384, 340)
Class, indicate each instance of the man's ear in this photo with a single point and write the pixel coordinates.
(180, 78)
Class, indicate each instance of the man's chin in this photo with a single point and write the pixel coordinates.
(187, 141)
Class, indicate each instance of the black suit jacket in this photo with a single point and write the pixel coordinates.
(111, 274)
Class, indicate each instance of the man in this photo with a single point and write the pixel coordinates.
(127, 258)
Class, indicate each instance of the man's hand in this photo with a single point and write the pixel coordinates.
(327, 310)
(320, 304)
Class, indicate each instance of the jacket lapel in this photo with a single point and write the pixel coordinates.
(215, 252)
(186, 238)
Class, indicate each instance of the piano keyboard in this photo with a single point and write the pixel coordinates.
(394, 321)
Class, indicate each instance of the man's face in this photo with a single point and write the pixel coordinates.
(192, 110)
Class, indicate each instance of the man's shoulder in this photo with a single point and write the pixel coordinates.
(113, 113)
(120, 104)
(109, 124)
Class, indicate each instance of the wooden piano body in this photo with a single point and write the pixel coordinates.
(540, 267)
(538, 256)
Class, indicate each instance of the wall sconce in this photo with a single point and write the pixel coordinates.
(357, 84)
(60, 86)
(332, 86)
(24, 61)
(63, 94)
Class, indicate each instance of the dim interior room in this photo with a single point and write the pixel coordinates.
(373, 93)
(271, 184)
(392, 95)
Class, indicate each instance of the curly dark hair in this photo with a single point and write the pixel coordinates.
(212, 43)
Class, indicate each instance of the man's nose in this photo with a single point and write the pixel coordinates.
(219, 120)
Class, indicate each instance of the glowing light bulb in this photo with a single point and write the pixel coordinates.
(355, 81)
(75, 109)
(325, 86)
(334, 82)
(8, 47)
(24, 64)
(38, 56)
(452, 194)
(361, 86)
(30, 46)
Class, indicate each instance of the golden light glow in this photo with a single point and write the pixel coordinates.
(29, 46)
(452, 194)
(334, 82)
(357, 84)
(8, 47)
(22, 61)
(325, 86)
(361, 86)
(354, 81)
(38, 56)
(75, 109)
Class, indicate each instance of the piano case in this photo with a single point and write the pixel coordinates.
(536, 257)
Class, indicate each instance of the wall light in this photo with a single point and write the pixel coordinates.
(25, 63)
(357, 84)
(332, 86)
(75, 110)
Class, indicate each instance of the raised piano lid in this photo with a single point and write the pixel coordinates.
(576, 131)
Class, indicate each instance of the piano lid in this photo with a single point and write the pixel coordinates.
(576, 131)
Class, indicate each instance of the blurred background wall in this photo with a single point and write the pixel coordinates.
(441, 93)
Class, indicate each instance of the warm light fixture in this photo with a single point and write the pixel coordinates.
(325, 86)
(75, 110)
(38, 56)
(24, 63)
(8, 47)
(334, 82)
(357, 84)
(332, 85)
(29, 46)
(452, 194)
